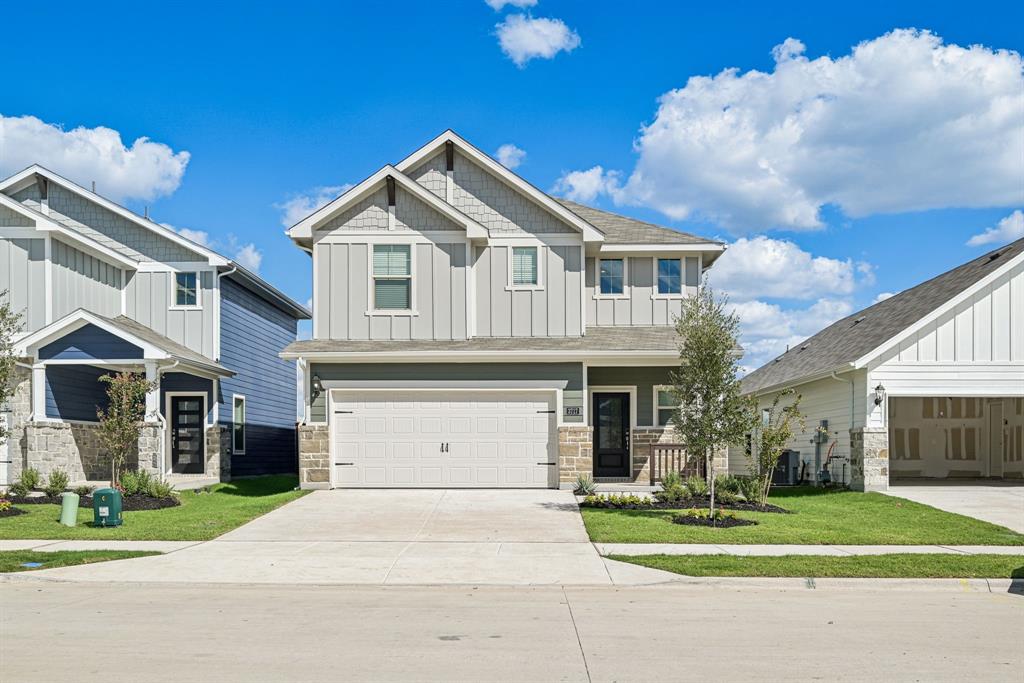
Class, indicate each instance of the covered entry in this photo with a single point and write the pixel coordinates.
(956, 438)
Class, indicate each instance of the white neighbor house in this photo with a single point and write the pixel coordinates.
(926, 384)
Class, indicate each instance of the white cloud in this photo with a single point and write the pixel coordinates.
(1007, 230)
(767, 329)
(585, 186)
(249, 257)
(298, 207)
(902, 123)
(523, 38)
(498, 5)
(200, 237)
(510, 156)
(882, 296)
(760, 267)
(144, 170)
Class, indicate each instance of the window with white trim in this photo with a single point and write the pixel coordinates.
(664, 404)
(392, 277)
(186, 289)
(670, 280)
(611, 276)
(238, 424)
(525, 267)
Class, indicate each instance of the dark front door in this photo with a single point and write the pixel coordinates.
(611, 435)
(186, 425)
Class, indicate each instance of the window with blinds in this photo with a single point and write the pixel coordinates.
(392, 277)
(524, 266)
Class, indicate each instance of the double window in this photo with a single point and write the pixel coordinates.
(611, 278)
(670, 276)
(186, 289)
(525, 267)
(238, 424)
(392, 277)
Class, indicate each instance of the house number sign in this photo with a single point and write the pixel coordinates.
(573, 411)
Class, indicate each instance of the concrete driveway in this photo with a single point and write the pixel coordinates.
(1001, 503)
(417, 537)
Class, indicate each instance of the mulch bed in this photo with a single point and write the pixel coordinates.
(11, 512)
(723, 523)
(691, 503)
(128, 503)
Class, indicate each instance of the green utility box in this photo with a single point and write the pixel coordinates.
(106, 507)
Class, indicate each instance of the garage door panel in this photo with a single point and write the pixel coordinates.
(459, 438)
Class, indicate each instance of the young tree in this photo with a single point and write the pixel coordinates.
(711, 411)
(771, 435)
(10, 324)
(121, 422)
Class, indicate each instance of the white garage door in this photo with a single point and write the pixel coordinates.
(444, 439)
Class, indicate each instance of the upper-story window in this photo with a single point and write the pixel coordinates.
(392, 277)
(670, 280)
(612, 276)
(525, 266)
(186, 290)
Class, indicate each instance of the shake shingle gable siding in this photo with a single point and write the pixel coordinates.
(252, 334)
(847, 340)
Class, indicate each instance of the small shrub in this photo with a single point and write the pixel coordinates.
(30, 478)
(701, 513)
(83, 491)
(726, 497)
(696, 486)
(4, 505)
(615, 500)
(672, 494)
(750, 489)
(18, 489)
(727, 483)
(57, 483)
(160, 489)
(671, 480)
(585, 485)
(135, 483)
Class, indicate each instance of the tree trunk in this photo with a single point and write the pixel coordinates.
(711, 475)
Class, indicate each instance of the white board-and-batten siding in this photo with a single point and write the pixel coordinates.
(83, 281)
(148, 301)
(974, 349)
(639, 304)
(22, 276)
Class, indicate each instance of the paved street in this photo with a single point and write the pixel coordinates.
(86, 632)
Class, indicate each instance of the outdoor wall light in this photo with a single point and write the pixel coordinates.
(316, 387)
(879, 394)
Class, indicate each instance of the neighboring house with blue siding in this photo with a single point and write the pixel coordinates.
(101, 290)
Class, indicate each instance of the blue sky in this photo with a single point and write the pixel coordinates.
(272, 102)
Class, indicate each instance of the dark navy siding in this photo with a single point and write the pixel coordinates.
(89, 343)
(252, 333)
(73, 392)
(180, 381)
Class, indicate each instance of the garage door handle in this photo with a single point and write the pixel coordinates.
(342, 412)
(344, 463)
(549, 412)
(549, 464)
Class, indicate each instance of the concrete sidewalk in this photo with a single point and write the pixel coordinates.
(54, 546)
(776, 550)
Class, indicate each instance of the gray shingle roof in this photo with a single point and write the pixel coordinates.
(596, 339)
(622, 230)
(176, 350)
(855, 335)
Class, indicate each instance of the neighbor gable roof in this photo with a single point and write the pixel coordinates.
(858, 338)
(18, 178)
(303, 230)
(589, 231)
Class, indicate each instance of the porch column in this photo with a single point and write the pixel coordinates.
(38, 392)
(153, 395)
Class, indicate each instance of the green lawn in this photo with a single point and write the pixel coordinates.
(12, 560)
(819, 517)
(200, 517)
(817, 566)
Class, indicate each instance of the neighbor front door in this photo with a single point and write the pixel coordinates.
(611, 435)
(186, 425)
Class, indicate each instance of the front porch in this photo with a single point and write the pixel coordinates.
(58, 393)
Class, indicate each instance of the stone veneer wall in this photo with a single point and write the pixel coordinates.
(314, 456)
(18, 409)
(869, 459)
(575, 453)
(218, 452)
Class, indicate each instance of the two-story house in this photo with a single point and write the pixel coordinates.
(101, 289)
(470, 330)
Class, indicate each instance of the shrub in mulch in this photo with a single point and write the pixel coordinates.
(719, 521)
(634, 502)
(139, 501)
(11, 512)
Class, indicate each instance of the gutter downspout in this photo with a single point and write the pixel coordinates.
(853, 397)
(163, 421)
(217, 328)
